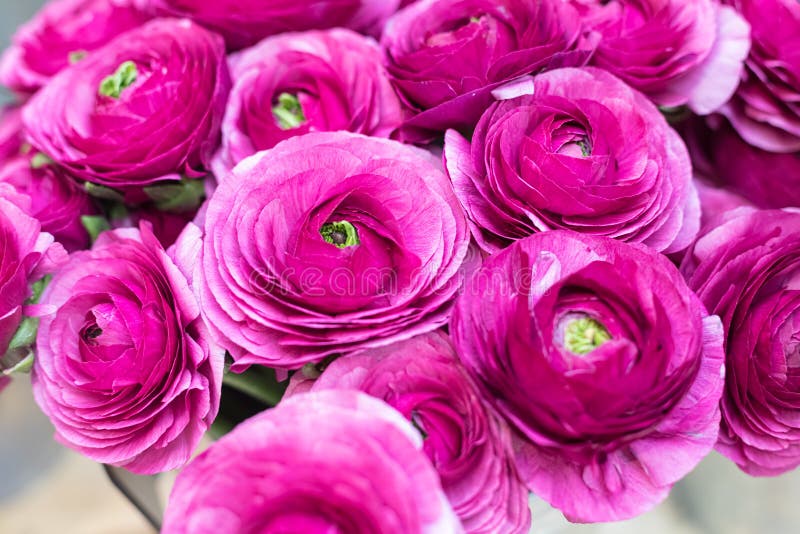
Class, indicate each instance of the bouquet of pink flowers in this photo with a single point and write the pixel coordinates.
(407, 262)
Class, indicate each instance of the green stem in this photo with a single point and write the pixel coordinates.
(256, 385)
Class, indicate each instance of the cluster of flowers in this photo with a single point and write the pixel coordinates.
(494, 246)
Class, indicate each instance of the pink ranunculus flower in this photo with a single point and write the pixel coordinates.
(605, 364)
(446, 56)
(55, 199)
(575, 149)
(766, 108)
(63, 32)
(125, 369)
(297, 83)
(326, 244)
(468, 444)
(745, 269)
(322, 462)
(677, 52)
(243, 23)
(28, 255)
(144, 109)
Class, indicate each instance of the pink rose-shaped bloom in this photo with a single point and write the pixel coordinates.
(124, 367)
(297, 83)
(604, 363)
(245, 22)
(746, 269)
(60, 34)
(145, 108)
(319, 463)
(470, 448)
(325, 244)
(56, 200)
(27, 255)
(677, 52)
(579, 150)
(766, 108)
(445, 56)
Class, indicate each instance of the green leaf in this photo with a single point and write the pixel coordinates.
(25, 335)
(117, 212)
(180, 196)
(23, 365)
(95, 225)
(103, 192)
(37, 288)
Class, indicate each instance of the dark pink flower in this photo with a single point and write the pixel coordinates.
(322, 462)
(55, 199)
(146, 108)
(574, 149)
(445, 56)
(468, 445)
(767, 179)
(766, 108)
(326, 244)
(27, 256)
(63, 32)
(604, 363)
(125, 368)
(243, 23)
(677, 52)
(745, 269)
(296, 83)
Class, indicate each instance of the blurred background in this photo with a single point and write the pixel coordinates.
(45, 488)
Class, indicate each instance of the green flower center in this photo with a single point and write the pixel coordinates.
(582, 336)
(341, 234)
(586, 148)
(77, 55)
(288, 112)
(113, 85)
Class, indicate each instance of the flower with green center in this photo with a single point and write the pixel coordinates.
(341, 234)
(583, 335)
(113, 85)
(288, 112)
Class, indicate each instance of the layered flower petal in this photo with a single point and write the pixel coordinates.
(296, 83)
(243, 23)
(677, 52)
(146, 108)
(603, 362)
(745, 268)
(446, 56)
(469, 446)
(766, 108)
(26, 255)
(325, 244)
(328, 461)
(64, 32)
(125, 368)
(574, 149)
